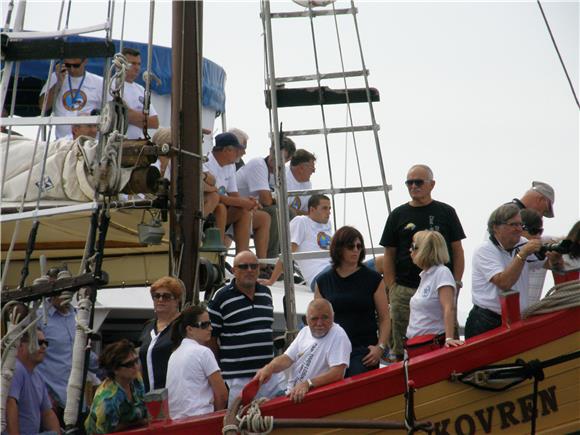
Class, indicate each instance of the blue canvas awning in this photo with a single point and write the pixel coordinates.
(213, 75)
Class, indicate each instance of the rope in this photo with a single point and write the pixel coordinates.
(349, 111)
(252, 421)
(147, 101)
(322, 111)
(558, 53)
(561, 296)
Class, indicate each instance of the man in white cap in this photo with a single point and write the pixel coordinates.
(540, 197)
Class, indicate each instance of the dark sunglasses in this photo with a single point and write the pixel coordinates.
(534, 231)
(417, 182)
(352, 246)
(130, 363)
(43, 342)
(72, 65)
(202, 325)
(246, 266)
(163, 296)
(414, 246)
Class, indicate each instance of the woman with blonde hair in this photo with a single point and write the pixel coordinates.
(156, 345)
(433, 304)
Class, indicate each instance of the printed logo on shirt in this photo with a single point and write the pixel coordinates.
(80, 100)
(409, 227)
(222, 190)
(323, 240)
(432, 225)
(425, 292)
(302, 371)
(141, 99)
(296, 203)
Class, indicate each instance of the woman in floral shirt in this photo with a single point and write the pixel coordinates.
(118, 402)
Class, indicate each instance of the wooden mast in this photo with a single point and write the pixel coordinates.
(186, 196)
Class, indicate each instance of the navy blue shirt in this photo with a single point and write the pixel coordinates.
(244, 329)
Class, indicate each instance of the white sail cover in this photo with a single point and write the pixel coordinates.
(67, 175)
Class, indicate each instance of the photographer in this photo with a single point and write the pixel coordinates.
(502, 263)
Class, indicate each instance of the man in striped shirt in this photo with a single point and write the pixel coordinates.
(242, 315)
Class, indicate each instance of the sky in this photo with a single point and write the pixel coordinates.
(473, 89)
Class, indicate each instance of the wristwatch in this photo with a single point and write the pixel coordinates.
(459, 284)
(382, 346)
(310, 384)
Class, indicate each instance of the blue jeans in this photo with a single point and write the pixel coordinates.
(356, 365)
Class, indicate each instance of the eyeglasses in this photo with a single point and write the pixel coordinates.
(130, 363)
(416, 181)
(352, 246)
(73, 65)
(534, 231)
(414, 246)
(514, 224)
(43, 342)
(202, 325)
(246, 266)
(163, 296)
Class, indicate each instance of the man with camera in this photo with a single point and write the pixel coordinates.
(501, 263)
(71, 90)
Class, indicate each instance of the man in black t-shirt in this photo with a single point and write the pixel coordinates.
(401, 275)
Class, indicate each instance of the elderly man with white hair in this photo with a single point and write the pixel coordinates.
(319, 355)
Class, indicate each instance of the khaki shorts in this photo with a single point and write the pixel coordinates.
(399, 297)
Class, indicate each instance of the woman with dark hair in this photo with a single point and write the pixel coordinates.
(194, 382)
(118, 403)
(156, 345)
(358, 297)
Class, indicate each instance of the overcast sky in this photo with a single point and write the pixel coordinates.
(473, 89)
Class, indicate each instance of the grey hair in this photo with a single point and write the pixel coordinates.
(318, 302)
(240, 134)
(424, 167)
(501, 215)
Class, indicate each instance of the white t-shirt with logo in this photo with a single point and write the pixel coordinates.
(426, 311)
(225, 176)
(313, 356)
(72, 101)
(488, 261)
(253, 177)
(134, 97)
(188, 388)
(311, 236)
(295, 201)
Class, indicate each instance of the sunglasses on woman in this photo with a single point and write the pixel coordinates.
(202, 325)
(163, 296)
(414, 246)
(131, 363)
(353, 246)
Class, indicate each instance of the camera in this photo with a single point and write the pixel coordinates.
(562, 247)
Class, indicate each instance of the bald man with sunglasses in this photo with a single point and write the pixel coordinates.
(401, 275)
(72, 90)
(242, 319)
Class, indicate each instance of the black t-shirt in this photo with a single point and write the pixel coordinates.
(405, 221)
(352, 299)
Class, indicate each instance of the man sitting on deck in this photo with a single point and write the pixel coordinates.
(319, 355)
(242, 212)
(309, 233)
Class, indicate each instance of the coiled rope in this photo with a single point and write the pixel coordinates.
(251, 420)
(561, 296)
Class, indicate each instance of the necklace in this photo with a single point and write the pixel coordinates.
(76, 95)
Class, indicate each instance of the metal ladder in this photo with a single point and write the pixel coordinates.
(278, 96)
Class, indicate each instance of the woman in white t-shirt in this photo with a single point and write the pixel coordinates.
(194, 383)
(433, 304)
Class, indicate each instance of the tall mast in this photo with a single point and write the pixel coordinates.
(186, 195)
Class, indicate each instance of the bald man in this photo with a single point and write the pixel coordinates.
(400, 273)
(319, 355)
(242, 316)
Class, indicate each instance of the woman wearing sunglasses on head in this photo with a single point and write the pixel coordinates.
(118, 402)
(156, 345)
(358, 297)
(432, 307)
(194, 383)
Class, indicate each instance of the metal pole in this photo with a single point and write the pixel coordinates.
(283, 216)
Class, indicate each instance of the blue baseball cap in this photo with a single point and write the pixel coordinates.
(223, 140)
